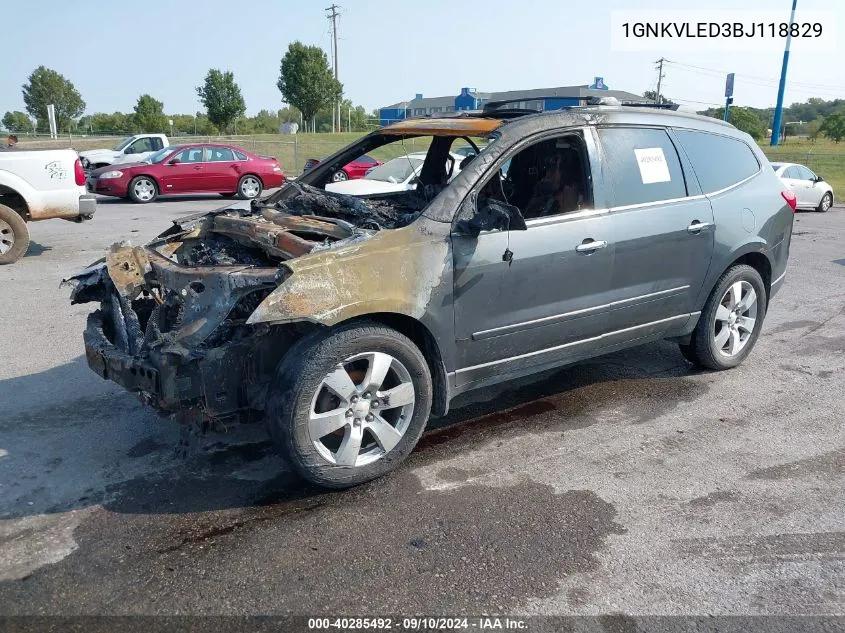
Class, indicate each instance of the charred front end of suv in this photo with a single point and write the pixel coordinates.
(172, 322)
(199, 319)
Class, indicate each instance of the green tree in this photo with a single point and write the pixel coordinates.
(814, 128)
(306, 82)
(834, 126)
(17, 121)
(46, 86)
(149, 115)
(222, 98)
(652, 95)
(743, 119)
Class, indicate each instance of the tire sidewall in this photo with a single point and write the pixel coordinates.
(297, 380)
(821, 207)
(734, 274)
(21, 232)
(135, 198)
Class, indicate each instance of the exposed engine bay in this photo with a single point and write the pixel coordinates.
(187, 295)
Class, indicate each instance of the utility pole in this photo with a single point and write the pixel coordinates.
(782, 85)
(660, 76)
(336, 107)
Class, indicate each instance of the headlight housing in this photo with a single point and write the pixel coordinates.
(111, 174)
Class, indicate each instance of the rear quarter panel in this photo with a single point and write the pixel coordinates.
(752, 217)
(46, 181)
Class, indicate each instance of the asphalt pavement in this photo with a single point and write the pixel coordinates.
(628, 484)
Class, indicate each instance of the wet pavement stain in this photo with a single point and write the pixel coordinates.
(831, 463)
(791, 325)
(464, 549)
(711, 499)
(144, 447)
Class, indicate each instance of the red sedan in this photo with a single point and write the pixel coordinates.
(350, 171)
(189, 169)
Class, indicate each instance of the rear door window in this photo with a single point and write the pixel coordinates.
(719, 161)
(804, 173)
(642, 165)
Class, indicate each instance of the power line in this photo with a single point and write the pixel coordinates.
(758, 78)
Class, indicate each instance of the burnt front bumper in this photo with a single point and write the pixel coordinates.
(216, 381)
(113, 364)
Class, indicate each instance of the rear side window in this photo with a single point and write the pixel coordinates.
(240, 155)
(642, 165)
(718, 161)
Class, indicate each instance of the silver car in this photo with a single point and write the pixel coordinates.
(811, 191)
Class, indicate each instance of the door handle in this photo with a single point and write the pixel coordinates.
(698, 227)
(197, 168)
(590, 245)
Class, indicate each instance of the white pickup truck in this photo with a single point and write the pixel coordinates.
(132, 149)
(39, 185)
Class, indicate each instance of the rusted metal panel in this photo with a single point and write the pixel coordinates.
(444, 127)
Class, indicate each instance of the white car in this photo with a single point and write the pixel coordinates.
(811, 190)
(394, 176)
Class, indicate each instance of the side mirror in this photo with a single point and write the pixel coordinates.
(818, 179)
(491, 215)
(129, 150)
(173, 161)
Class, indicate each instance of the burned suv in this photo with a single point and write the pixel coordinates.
(349, 321)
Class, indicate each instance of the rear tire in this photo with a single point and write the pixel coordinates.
(143, 189)
(348, 405)
(249, 187)
(14, 236)
(340, 176)
(731, 320)
(825, 203)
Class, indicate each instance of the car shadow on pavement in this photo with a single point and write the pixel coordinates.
(72, 440)
(109, 200)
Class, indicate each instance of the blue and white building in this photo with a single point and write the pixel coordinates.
(472, 99)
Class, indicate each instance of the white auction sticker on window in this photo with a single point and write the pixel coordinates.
(653, 167)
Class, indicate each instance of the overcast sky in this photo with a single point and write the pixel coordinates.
(115, 51)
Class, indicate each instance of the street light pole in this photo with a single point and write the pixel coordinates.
(782, 86)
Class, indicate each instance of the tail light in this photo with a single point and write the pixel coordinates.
(78, 172)
(790, 198)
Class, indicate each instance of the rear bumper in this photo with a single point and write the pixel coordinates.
(87, 206)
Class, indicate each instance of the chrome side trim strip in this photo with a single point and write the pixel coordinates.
(572, 344)
(779, 279)
(650, 295)
(506, 329)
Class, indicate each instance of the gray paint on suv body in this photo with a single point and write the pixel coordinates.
(493, 320)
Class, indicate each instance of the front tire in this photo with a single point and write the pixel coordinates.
(348, 405)
(143, 189)
(340, 176)
(825, 203)
(731, 320)
(249, 187)
(14, 236)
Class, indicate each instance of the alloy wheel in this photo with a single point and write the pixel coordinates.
(362, 409)
(250, 187)
(339, 176)
(826, 202)
(736, 318)
(7, 237)
(144, 189)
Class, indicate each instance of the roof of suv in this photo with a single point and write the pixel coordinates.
(477, 124)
